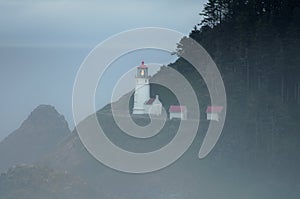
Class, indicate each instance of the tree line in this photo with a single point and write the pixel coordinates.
(260, 39)
(256, 46)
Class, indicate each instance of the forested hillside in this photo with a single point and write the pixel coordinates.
(256, 46)
(257, 40)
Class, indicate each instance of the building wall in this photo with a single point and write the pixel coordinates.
(141, 95)
(181, 115)
(213, 116)
(155, 108)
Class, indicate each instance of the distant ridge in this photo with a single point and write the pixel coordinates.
(39, 134)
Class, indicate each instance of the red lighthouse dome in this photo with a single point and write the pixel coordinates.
(143, 65)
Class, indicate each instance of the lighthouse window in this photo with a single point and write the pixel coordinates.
(142, 72)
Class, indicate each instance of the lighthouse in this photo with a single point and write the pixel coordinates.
(143, 104)
(142, 89)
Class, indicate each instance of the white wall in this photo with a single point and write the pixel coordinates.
(180, 115)
(141, 95)
(213, 116)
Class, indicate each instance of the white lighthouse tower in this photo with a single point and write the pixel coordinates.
(142, 90)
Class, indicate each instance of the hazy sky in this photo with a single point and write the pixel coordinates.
(43, 43)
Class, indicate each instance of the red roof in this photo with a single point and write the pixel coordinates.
(176, 108)
(214, 109)
(143, 65)
(150, 101)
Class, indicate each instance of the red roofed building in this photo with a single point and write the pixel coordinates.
(150, 101)
(153, 106)
(213, 112)
(177, 111)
